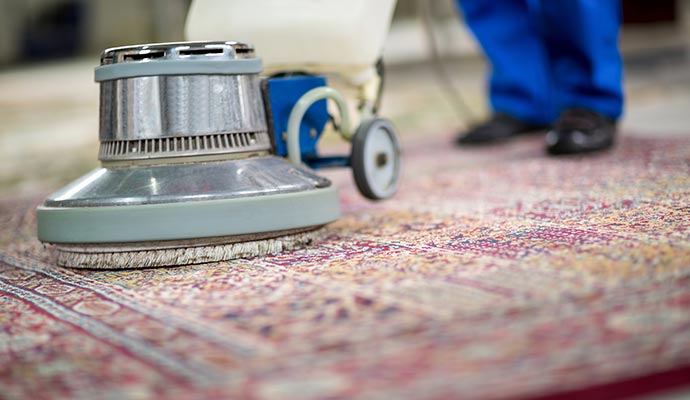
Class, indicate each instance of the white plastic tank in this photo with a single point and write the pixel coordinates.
(345, 37)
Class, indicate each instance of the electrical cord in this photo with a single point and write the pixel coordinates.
(381, 72)
(445, 80)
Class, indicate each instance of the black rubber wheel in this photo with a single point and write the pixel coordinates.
(375, 159)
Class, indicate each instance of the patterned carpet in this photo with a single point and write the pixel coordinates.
(495, 273)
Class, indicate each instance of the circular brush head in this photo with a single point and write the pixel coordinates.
(188, 172)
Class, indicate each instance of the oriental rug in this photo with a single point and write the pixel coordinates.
(494, 273)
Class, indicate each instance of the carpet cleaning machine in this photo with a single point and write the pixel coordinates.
(208, 153)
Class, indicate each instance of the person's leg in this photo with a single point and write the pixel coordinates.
(519, 80)
(581, 38)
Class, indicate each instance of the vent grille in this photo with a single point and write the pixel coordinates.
(177, 51)
(176, 146)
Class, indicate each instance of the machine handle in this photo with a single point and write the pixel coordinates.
(301, 107)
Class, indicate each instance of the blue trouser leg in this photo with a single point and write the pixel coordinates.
(519, 82)
(548, 55)
(581, 38)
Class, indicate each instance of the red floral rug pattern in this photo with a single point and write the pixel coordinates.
(494, 273)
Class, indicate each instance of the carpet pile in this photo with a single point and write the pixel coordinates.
(494, 273)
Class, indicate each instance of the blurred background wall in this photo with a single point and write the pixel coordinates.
(45, 29)
(32, 30)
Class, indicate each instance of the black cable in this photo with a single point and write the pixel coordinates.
(453, 95)
(381, 72)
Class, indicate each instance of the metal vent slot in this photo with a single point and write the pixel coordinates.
(144, 56)
(234, 142)
(200, 52)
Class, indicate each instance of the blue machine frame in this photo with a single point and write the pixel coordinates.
(283, 92)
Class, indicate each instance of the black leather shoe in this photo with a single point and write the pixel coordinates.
(499, 127)
(580, 131)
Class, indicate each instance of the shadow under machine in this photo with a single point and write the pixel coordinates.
(210, 154)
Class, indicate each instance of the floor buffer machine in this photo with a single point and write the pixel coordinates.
(209, 152)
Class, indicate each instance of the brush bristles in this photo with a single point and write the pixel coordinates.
(184, 256)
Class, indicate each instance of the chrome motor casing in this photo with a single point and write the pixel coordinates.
(182, 122)
(180, 99)
(220, 113)
(187, 161)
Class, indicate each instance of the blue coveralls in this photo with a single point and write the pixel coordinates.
(549, 55)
